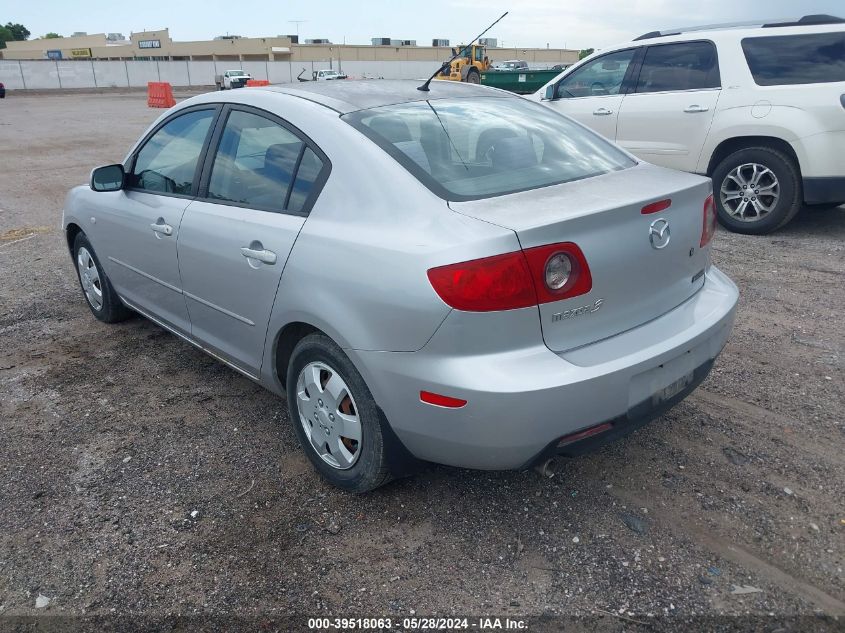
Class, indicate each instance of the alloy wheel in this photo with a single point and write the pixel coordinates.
(749, 192)
(329, 415)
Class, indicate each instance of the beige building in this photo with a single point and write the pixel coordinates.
(158, 45)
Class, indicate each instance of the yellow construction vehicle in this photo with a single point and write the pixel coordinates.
(467, 64)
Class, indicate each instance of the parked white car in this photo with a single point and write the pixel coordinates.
(230, 79)
(511, 64)
(758, 108)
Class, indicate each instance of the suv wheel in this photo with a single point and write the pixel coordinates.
(335, 416)
(757, 190)
(102, 299)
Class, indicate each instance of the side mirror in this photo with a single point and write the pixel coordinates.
(108, 178)
(550, 92)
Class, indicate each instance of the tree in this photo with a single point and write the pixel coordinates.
(5, 36)
(52, 36)
(19, 31)
(585, 52)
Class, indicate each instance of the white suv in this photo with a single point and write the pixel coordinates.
(759, 108)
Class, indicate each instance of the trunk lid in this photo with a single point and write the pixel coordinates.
(633, 282)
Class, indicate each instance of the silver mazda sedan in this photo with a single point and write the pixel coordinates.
(459, 276)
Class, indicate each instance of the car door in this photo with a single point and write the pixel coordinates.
(665, 119)
(139, 230)
(258, 185)
(593, 93)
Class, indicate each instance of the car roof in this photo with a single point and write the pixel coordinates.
(350, 95)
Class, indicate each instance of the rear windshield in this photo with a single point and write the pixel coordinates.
(466, 149)
(785, 60)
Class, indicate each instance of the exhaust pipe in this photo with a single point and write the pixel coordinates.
(544, 468)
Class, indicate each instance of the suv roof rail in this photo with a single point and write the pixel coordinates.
(807, 20)
(817, 18)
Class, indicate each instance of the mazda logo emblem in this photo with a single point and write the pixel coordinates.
(658, 233)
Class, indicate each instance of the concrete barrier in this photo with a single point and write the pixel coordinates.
(66, 73)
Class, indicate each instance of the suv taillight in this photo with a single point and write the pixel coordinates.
(708, 227)
(514, 280)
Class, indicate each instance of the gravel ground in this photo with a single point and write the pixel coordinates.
(140, 478)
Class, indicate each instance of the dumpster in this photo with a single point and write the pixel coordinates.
(522, 81)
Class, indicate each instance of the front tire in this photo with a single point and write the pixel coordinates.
(99, 294)
(473, 77)
(335, 416)
(757, 190)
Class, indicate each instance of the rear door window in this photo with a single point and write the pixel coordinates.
(785, 60)
(678, 67)
(263, 165)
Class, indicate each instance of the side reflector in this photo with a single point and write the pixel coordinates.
(656, 207)
(580, 435)
(441, 401)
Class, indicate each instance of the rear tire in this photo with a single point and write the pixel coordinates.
(473, 77)
(757, 190)
(99, 294)
(335, 416)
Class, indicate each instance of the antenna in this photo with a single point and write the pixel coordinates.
(424, 87)
(297, 22)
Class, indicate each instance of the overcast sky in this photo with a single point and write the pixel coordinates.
(531, 23)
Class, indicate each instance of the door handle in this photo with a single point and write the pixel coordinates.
(265, 256)
(160, 226)
(696, 108)
(602, 112)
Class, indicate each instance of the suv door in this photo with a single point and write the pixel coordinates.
(140, 229)
(593, 93)
(258, 184)
(665, 119)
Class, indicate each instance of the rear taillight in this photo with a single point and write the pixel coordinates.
(708, 227)
(501, 282)
(548, 265)
(514, 280)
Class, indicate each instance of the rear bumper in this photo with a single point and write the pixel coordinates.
(824, 190)
(520, 402)
(636, 417)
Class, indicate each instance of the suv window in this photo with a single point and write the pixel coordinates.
(683, 66)
(602, 76)
(785, 60)
(255, 164)
(167, 163)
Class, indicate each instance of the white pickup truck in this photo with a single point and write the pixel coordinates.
(232, 79)
(327, 75)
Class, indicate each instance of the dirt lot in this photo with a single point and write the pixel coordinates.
(139, 476)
